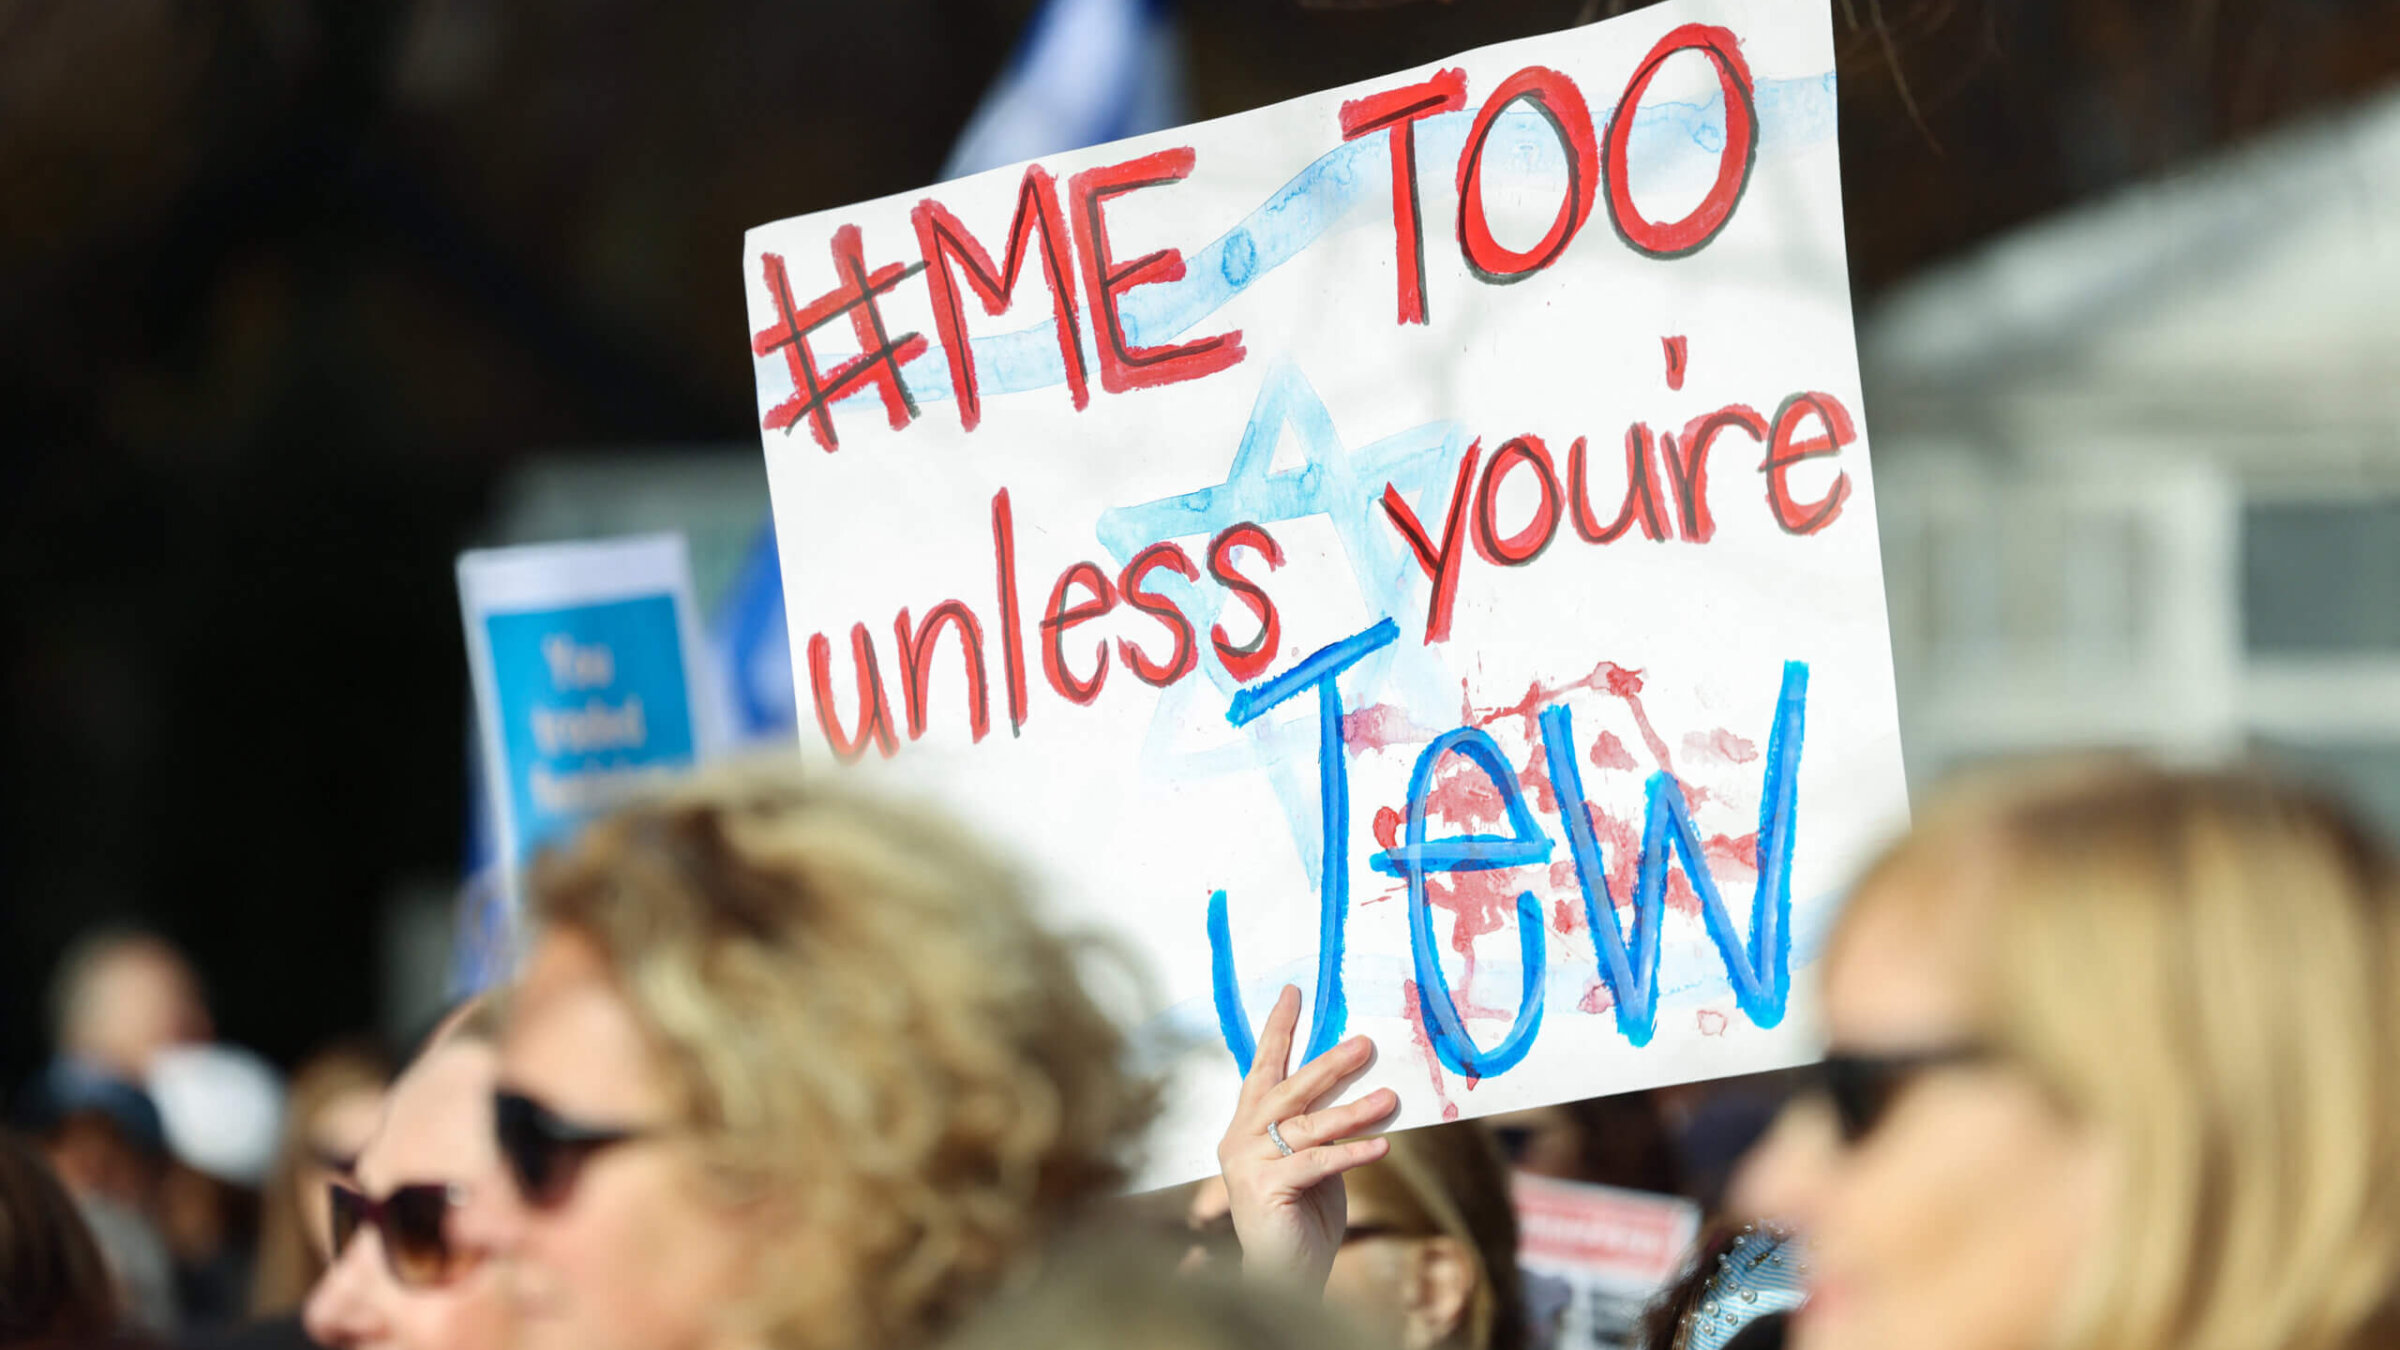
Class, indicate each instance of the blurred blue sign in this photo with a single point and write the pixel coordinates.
(591, 699)
(590, 688)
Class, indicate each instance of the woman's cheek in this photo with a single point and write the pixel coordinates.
(1365, 1285)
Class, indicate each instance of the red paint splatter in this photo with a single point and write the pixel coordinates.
(1465, 796)
(1466, 801)
(1712, 1022)
(1566, 915)
(1627, 685)
(1597, 998)
(1381, 725)
(1528, 709)
(1620, 844)
(1735, 853)
(1609, 753)
(1718, 747)
(1680, 896)
(1535, 779)
(1607, 677)
(1414, 1010)
(1479, 903)
(1387, 828)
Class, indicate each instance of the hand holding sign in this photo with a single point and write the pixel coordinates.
(1289, 1208)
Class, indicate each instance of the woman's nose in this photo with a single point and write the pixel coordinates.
(1783, 1177)
(346, 1309)
(488, 1220)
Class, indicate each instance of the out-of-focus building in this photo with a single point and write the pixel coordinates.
(2138, 470)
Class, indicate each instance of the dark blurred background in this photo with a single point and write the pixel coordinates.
(289, 289)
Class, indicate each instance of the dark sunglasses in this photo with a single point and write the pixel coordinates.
(1367, 1232)
(1863, 1087)
(1515, 1142)
(411, 1223)
(543, 1150)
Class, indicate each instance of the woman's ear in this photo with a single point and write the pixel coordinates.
(1437, 1292)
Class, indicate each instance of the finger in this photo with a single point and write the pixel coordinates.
(1339, 1122)
(1310, 1166)
(1274, 1052)
(1316, 1078)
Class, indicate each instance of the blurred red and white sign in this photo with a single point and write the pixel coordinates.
(1595, 1256)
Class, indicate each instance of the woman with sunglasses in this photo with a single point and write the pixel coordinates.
(2114, 1065)
(396, 1282)
(787, 1067)
(2115, 1062)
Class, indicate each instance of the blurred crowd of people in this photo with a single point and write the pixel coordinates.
(2113, 1061)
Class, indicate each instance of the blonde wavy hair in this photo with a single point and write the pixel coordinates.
(869, 1031)
(2204, 967)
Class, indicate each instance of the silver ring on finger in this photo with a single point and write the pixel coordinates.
(1275, 1132)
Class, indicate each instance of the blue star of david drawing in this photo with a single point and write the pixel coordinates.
(1333, 481)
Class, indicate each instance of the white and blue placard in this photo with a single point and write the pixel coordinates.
(589, 682)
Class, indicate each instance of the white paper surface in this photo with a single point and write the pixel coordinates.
(1671, 655)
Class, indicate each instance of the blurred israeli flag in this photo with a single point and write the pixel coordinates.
(754, 649)
(1084, 72)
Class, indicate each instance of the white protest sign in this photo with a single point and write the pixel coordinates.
(1415, 541)
(587, 688)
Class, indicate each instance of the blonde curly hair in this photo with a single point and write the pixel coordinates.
(868, 1030)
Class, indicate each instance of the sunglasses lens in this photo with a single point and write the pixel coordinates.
(514, 1126)
(346, 1208)
(538, 1155)
(1863, 1091)
(1515, 1141)
(413, 1232)
(1863, 1088)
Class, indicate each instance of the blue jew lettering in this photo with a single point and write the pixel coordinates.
(1758, 963)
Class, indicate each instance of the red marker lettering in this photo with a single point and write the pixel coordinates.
(1187, 646)
(1784, 450)
(1060, 616)
(1124, 367)
(951, 251)
(1248, 661)
(1398, 110)
(1674, 239)
(1441, 565)
(916, 656)
(1561, 104)
(874, 715)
